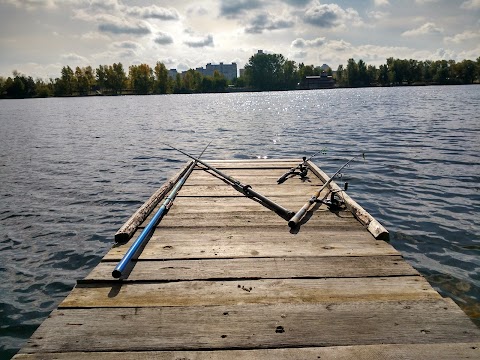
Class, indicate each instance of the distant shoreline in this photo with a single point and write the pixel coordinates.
(237, 90)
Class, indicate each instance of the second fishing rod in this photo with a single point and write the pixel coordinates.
(243, 188)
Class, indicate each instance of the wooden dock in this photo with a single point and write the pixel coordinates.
(223, 277)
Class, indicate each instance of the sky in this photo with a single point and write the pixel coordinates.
(39, 37)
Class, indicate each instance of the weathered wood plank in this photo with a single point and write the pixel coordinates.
(127, 230)
(265, 164)
(260, 268)
(225, 205)
(261, 219)
(377, 229)
(240, 292)
(252, 327)
(218, 242)
(254, 178)
(288, 190)
(445, 351)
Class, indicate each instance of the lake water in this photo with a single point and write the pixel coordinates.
(73, 170)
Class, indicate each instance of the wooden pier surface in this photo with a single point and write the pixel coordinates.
(223, 277)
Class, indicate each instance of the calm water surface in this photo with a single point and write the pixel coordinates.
(73, 170)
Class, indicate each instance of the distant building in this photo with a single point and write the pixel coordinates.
(172, 73)
(323, 81)
(242, 72)
(227, 70)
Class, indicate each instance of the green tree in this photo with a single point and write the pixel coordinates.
(290, 75)
(115, 78)
(340, 75)
(264, 71)
(161, 85)
(85, 80)
(353, 78)
(141, 78)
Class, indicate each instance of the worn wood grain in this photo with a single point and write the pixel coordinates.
(259, 268)
(440, 351)
(239, 292)
(259, 220)
(127, 230)
(252, 327)
(288, 190)
(225, 205)
(377, 229)
(218, 242)
(253, 178)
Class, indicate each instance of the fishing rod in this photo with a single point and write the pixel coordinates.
(302, 169)
(142, 239)
(244, 189)
(300, 213)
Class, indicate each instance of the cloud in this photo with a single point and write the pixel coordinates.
(464, 36)
(237, 8)
(426, 29)
(72, 57)
(381, 2)
(424, 2)
(163, 39)
(153, 12)
(471, 5)
(31, 4)
(297, 3)
(200, 42)
(378, 15)
(121, 26)
(197, 10)
(331, 16)
(302, 43)
(266, 21)
(126, 45)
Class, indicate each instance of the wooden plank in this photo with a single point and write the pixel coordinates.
(252, 177)
(285, 190)
(127, 230)
(261, 219)
(260, 268)
(240, 292)
(441, 351)
(265, 164)
(224, 205)
(252, 327)
(375, 228)
(218, 242)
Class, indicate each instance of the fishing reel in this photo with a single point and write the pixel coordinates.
(335, 202)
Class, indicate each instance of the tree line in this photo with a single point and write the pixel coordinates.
(111, 80)
(262, 72)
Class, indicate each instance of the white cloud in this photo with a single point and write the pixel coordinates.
(464, 36)
(378, 15)
(331, 16)
(75, 58)
(163, 38)
(381, 2)
(302, 43)
(266, 21)
(200, 42)
(153, 12)
(471, 5)
(426, 29)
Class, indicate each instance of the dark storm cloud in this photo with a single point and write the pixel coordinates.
(198, 43)
(236, 8)
(265, 21)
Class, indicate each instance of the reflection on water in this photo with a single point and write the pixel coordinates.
(73, 170)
